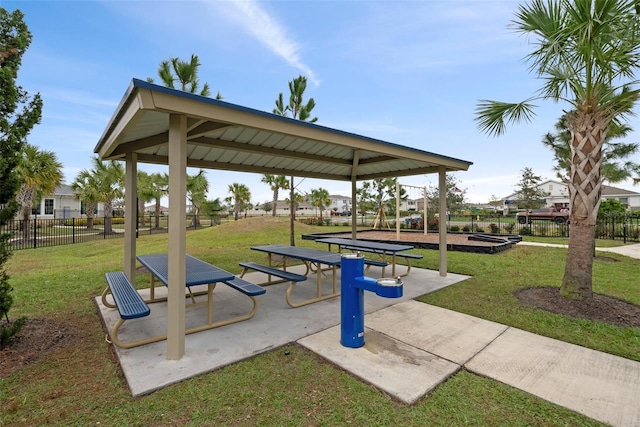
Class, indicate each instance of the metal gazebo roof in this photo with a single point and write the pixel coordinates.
(225, 136)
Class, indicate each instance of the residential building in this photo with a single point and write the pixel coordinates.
(62, 204)
(557, 195)
(338, 204)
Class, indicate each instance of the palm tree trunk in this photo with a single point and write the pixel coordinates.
(25, 197)
(157, 225)
(108, 215)
(588, 133)
(275, 202)
(90, 211)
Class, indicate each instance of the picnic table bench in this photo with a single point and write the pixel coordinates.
(272, 271)
(131, 305)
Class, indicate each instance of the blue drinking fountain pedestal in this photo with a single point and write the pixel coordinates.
(353, 283)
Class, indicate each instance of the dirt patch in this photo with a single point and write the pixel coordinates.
(38, 338)
(600, 308)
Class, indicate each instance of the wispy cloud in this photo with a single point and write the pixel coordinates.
(268, 31)
(77, 97)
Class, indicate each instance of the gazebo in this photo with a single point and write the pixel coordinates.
(159, 125)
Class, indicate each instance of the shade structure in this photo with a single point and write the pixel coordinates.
(158, 125)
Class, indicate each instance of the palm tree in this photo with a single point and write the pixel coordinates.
(39, 172)
(109, 177)
(86, 189)
(586, 52)
(320, 199)
(275, 183)
(144, 195)
(197, 187)
(298, 199)
(183, 73)
(300, 111)
(615, 167)
(159, 187)
(240, 195)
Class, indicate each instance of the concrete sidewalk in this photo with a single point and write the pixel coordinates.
(412, 347)
(632, 251)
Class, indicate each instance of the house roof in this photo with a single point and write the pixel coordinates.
(64, 190)
(607, 190)
(226, 136)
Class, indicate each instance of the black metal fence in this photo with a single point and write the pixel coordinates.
(38, 233)
(612, 227)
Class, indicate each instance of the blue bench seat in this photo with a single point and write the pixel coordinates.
(128, 301)
(286, 275)
(247, 288)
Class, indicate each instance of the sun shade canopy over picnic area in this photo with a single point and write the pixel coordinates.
(159, 125)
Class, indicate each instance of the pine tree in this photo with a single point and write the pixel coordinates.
(18, 115)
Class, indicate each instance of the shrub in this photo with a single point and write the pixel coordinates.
(525, 231)
(509, 227)
(494, 228)
(455, 228)
(466, 228)
(479, 229)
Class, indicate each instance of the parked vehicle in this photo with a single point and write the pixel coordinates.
(548, 214)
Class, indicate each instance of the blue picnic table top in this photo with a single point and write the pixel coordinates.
(303, 254)
(198, 272)
(365, 244)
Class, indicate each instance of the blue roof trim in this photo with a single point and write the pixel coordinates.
(137, 83)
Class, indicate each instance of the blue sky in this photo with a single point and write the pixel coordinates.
(407, 72)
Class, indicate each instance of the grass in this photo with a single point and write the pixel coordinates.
(83, 385)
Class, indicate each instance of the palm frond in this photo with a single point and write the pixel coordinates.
(493, 116)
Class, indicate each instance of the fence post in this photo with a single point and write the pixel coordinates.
(613, 229)
(35, 231)
(73, 230)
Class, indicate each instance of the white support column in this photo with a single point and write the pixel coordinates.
(130, 210)
(424, 201)
(177, 236)
(354, 188)
(442, 222)
(397, 210)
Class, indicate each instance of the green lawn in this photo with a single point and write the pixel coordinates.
(83, 385)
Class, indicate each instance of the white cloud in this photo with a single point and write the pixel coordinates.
(267, 30)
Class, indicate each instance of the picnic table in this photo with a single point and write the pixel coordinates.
(383, 249)
(198, 273)
(313, 259)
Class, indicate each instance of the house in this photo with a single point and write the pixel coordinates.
(558, 196)
(338, 203)
(62, 204)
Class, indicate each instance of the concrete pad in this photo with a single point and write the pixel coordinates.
(451, 335)
(275, 324)
(596, 384)
(402, 371)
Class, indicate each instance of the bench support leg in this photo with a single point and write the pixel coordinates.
(104, 298)
(210, 325)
